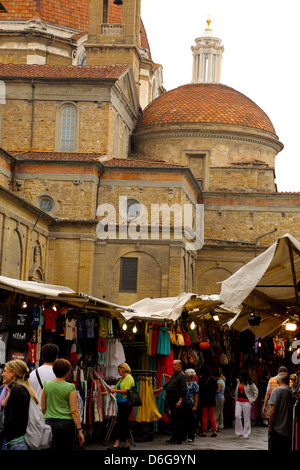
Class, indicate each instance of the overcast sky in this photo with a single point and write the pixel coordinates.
(261, 59)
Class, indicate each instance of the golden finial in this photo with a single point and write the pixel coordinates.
(208, 21)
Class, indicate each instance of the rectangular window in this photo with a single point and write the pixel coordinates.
(128, 275)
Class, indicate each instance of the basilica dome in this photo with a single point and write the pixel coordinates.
(205, 103)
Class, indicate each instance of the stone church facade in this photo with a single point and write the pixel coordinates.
(92, 149)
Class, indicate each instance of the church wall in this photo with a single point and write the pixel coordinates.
(23, 239)
(71, 255)
(244, 223)
(95, 125)
(72, 187)
(232, 223)
(165, 267)
(160, 269)
(224, 151)
(237, 179)
(218, 261)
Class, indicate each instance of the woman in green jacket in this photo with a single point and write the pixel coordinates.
(125, 383)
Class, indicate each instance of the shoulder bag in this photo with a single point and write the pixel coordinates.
(133, 397)
(38, 434)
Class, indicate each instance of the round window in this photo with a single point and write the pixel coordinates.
(46, 204)
(133, 209)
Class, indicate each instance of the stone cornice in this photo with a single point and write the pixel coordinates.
(153, 134)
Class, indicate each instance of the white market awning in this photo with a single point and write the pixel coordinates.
(268, 284)
(38, 290)
(169, 308)
(266, 281)
(57, 293)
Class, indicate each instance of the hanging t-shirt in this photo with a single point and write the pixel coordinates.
(32, 349)
(50, 315)
(90, 327)
(36, 313)
(70, 329)
(20, 317)
(19, 339)
(80, 328)
(103, 327)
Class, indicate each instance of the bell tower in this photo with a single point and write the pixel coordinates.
(207, 57)
(114, 33)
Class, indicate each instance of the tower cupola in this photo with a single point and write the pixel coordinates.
(207, 57)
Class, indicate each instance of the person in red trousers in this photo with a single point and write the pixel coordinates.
(207, 400)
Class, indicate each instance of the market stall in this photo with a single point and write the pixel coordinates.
(266, 292)
(97, 335)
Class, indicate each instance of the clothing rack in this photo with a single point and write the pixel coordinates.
(111, 425)
(144, 372)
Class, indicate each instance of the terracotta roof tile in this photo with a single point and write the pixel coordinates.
(57, 156)
(62, 71)
(135, 161)
(142, 162)
(205, 103)
(70, 13)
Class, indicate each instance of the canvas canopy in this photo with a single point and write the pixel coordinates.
(57, 293)
(268, 284)
(169, 308)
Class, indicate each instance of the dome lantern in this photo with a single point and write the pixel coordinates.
(207, 57)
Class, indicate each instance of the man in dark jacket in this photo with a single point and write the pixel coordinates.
(176, 390)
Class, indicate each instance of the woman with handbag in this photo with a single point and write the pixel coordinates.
(15, 405)
(125, 383)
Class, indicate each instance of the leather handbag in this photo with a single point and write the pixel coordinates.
(133, 397)
(204, 342)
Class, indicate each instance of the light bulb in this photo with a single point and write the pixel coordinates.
(193, 325)
(124, 326)
(290, 326)
(134, 329)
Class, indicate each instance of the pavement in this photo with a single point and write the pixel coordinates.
(225, 440)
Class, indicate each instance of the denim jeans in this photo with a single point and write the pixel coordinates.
(20, 445)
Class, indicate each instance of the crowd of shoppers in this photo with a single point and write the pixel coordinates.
(195, 400)
(51, 391)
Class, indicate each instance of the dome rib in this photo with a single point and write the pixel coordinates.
(205, 103)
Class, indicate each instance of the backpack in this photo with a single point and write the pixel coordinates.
(38, 434)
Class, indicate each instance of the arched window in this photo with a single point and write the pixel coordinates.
(68, 122)
(67, 128)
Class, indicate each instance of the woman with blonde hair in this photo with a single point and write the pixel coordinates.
(126, 382)
(16, 405)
